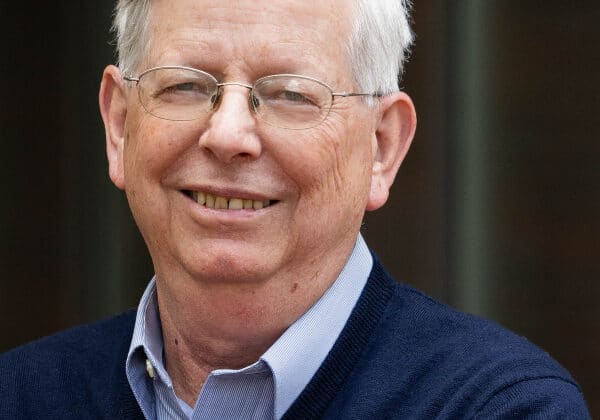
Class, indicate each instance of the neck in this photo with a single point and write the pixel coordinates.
(222, 325)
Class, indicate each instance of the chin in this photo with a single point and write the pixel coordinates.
(227, 266)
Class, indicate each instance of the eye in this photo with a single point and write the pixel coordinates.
(184, 88)
(287, 93)
(285, 97)
(292, 96)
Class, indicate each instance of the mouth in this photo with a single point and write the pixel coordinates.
(212, 201)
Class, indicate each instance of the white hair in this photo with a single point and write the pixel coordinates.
(378, 46)
(130, 26)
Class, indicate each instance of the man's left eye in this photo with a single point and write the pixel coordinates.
(185, 86)
(285, 97)
(292, 96)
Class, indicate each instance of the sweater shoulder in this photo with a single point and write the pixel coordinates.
(464, 338)
(422, 359)
(80, 371)
(450, 363)
(88, 340)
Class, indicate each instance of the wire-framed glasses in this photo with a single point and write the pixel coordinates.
(282, 100)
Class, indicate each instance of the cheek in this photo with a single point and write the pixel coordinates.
(350, 175)
(315, 163)
(332, 161)
(149, 154)
(151, 148)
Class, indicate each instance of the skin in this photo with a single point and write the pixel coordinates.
(230, 282)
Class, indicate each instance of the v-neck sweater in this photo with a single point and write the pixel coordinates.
(401, 355)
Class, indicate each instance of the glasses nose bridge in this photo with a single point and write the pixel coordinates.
(247, 86)
(220, 87)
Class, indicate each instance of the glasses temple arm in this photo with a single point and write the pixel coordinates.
(348, 94)
(131, 79)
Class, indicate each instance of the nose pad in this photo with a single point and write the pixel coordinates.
(230, 132)
(215, 100)
(253, 102)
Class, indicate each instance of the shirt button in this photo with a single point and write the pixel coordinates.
(150, 368)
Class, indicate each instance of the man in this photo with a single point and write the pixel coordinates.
(250, 137)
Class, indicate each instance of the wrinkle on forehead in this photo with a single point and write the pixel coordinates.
(247, 12)
(231, 28)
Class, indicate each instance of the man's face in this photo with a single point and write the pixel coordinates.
(317, 180)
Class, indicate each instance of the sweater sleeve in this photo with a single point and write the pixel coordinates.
(540, 398)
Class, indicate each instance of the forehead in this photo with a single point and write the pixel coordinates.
(285, 35)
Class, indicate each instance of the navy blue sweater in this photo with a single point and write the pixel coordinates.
(401, 355)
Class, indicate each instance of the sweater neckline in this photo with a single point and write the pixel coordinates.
(352, 342)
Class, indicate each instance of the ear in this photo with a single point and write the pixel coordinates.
(393, 135)
(113, 107)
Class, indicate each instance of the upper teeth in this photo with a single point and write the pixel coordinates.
(218, 202)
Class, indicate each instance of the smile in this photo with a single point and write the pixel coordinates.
(232, 203)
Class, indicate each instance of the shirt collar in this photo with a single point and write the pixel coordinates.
(146, 344)
(297, 355)
(314, 333)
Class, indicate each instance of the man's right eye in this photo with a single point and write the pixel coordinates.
(184, 87)
(183, 90)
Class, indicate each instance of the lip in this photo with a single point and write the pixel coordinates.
(229, 193)
(225, 216)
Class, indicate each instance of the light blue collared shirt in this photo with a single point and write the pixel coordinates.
(268, 387)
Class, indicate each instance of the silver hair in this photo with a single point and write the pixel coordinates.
(130, 26)
(379, 43)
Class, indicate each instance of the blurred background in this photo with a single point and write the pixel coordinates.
(496, 210)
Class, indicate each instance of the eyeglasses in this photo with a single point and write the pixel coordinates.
(282, 100)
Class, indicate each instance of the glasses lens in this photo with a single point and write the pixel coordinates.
(291, 101)
(178, 94)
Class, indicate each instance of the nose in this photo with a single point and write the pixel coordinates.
(231, 132)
